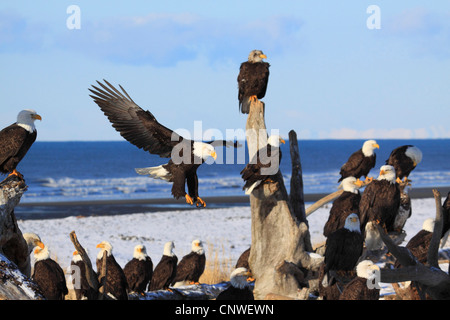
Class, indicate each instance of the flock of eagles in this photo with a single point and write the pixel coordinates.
(352, 218)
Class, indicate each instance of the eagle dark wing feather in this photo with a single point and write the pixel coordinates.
(137, 126)
(190, 268)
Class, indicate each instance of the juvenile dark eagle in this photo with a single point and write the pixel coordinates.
(252, 79)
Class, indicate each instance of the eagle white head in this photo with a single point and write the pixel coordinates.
(197, 247)
(367, 269)
(387, 172)
(256, 56)
(104, 246)
(76, 257)
(238, 278)
(428, 225)
(140, 252)
(350, 184)
(415, 154)
(369, 146)
(26, 119)
(31, 239)
(168, 249)
(275, 140)
(41, 251)
(352, 223)
(203, 150)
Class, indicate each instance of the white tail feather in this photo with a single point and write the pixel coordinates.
(155, 172)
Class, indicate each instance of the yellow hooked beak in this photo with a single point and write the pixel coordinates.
(36, 117)
(354, 220)
(40, 245)
(214, 155)
(375, 145)
(359, 183)
(382, 172)
(139, 249)
(263, 56)
(100, 245)
(282, 141)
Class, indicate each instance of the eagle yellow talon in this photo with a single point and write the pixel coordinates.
(200, 202)
(15, 173)
(398, 180)
(189, 199)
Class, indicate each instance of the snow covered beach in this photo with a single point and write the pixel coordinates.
(223, 228)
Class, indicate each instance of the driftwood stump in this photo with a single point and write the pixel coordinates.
(280, 240)
(12, 243)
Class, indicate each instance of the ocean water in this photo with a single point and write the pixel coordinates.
(77, 171)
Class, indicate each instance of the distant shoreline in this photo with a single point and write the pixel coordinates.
(51, 210)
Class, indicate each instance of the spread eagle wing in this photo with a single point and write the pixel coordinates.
(137, 126)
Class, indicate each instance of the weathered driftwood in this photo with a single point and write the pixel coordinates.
(296, 196)
(434, 281)
(279, 238)
(90, 274)
(12, 243)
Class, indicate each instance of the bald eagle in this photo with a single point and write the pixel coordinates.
(116, 283)
(344, 246)
(192, 265)
(139, 270)
(83, 291)
(404, 159)
(359, 288)
(264, 164)
(239, 288)
(360, 162)
(252, 79)
(380, 200)
(141, 128)
(346, 203)
(16, 140)
(48, 275)
(166, 269)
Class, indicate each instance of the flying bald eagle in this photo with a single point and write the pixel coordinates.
(141, 128)
(16, 140)
(192, 265)
(139, 270)
(346, 203)
(380, 201)
(344, 246)
(48, 275)
(360, 162)
(404, 159)
(83, 291)
(116, 283)
(166, 270)
(252, 80)
(263, 165)
(239, 288)
(358, 288)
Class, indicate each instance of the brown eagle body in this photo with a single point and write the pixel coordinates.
(380, 201)
(139, 274)
(264, 164)
(164, 273)
(252, 79)
(233, 293)
(404, 159)
(346, 203)
(49, 276)
(190, 268)
(360, 162)
(357, 289)
(116, 282)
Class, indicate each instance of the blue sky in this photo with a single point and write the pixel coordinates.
(331, 75)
